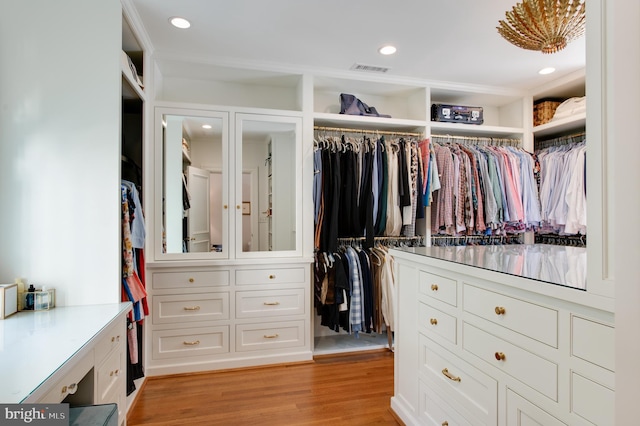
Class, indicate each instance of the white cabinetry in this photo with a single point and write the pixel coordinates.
(85, 362)
(213, 317)
(497, 349)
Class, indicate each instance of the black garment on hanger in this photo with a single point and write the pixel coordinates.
(366, 200)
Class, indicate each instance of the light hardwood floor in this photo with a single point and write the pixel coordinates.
(332, 390)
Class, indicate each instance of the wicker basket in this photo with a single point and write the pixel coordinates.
(543, 110)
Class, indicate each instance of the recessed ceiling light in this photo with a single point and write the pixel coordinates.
(547, 70)
(206, 126)
(178, 22)
(387, 49)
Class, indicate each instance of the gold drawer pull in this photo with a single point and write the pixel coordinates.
(270, 336)
(64, 389)
(500, 356)
(434, 287)
(113, 339)
(272, 277)
(445, 423)
(271, 303)
(500, 310)
(196, 342)
(114, 373)
(191, 280)
(192, 308)
(433, 321)
(450, 376)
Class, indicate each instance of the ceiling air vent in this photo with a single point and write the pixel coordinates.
(369, 68)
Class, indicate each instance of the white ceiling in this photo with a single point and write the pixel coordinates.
(454, 41)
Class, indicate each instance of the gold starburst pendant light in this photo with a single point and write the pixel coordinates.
(544, 25)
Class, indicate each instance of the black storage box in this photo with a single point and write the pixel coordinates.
(456, 114)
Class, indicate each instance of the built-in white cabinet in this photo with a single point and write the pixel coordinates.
(228, 316)
(478, 346)
(228, 184)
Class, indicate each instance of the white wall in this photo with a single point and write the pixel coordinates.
(60, 147)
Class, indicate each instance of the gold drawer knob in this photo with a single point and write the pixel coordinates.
(195, 342)
(450, 376)
(500, 310)
(271, 303)
(433, 321)
(192, 308)
(270, 336)
(445, 423)
(272, 277)
(434, 287)
(191, 280)
(500, 356)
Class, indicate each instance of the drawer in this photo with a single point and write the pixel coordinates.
(535, 321)
(269, 303)
(456, 380)
(115, 336)
(432, 320)
(190, 342)
(539, 373)
(270, 276)
(69, 383)
(110, 374)
(434, 411)
(193, 279)
(593, 342)
(592, 401)
(117, 395)
(521, 412)
(439, 288)
(190, 307)
(275, 335)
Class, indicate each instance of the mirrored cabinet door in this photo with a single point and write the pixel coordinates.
(268, 185)
(194, 175)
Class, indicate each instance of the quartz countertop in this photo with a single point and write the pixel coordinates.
(35, 344)
(560, 265)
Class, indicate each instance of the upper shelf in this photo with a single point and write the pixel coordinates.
(475, 130)
(559, 127)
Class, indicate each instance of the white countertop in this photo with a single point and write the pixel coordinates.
(34, 344)
(560, 265)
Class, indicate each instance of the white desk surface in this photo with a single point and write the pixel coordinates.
(35, 344)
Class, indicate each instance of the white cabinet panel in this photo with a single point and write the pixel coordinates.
(471, 388)
(434, 411)
(592, 401)
(530, 369)
(535, 321)
(268, 303)
(593, 342)
(189, 279)
(521, 412)
(110, 374)
(439, 288)
(182, 343)
(190, 307)
(270, 276)
(276, 335)
(432, 320)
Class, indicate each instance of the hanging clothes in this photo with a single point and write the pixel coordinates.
(365, 187)
(484, 189)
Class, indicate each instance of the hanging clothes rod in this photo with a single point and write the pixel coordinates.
(377, 132)
(561, 140)
(477, 139)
